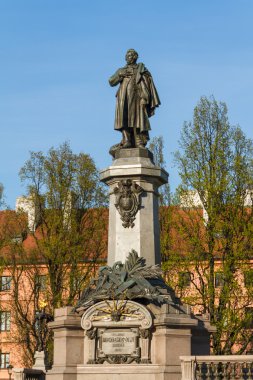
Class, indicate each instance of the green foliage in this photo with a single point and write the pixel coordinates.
(216, 166)
(156, 146)
(60, 174)
(68, 239)
(64, 187)
(215, 158)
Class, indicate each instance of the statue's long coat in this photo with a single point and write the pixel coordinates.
(137, 99)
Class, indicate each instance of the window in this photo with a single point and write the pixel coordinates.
(5, 321)
(4, 360)
(184, 279)
(5, 283)
(248, 278)
(219, 279)
(41, 282)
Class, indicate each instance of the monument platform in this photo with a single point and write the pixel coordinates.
(173, 332)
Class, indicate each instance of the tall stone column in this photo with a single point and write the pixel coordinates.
(134, 180)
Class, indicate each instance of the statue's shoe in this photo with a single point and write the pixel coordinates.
(140, 145)
(127, 144)
(114, 149)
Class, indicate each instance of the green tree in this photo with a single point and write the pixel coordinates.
(156, 146)
(66, 191)
(65, 242)
(215, 222)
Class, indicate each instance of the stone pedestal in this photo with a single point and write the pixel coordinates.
(39, 357)
(68, 344)
(137, 166)
(173, 334)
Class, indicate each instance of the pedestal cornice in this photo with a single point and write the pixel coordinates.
(116, 172)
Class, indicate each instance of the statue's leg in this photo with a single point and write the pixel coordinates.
(145, 137)
(141, 138)
(126, 140)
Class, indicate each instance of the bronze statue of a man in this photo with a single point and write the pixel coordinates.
(137, 99)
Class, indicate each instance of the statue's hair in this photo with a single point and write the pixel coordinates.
(134, 51)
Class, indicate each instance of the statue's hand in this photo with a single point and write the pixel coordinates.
(124, 73)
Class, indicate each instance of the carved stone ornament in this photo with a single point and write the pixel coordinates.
(128, 201)
(144, 333)
(115, 313)
(118, 359)
(130, 280)
(115, 332)
(91, 334)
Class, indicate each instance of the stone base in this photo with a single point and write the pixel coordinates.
(129, 372)
(62, 373)
(175, 332)
(118, 372)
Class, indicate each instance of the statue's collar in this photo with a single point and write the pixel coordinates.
(132, 65)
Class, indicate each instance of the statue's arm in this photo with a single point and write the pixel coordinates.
(116, 78)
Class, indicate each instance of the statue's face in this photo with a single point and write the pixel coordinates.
(131, 57)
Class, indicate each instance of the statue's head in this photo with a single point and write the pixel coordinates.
(131, 56)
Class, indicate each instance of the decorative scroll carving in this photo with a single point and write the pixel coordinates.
(119, 311)
(128, 201)
(118, 359)
(129, 313)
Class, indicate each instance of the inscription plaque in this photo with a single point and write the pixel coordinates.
(118, 346)
(118, 342)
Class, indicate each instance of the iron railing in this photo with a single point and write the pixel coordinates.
(220, 367)
(28, 374)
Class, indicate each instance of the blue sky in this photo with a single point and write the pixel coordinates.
(56, 57)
